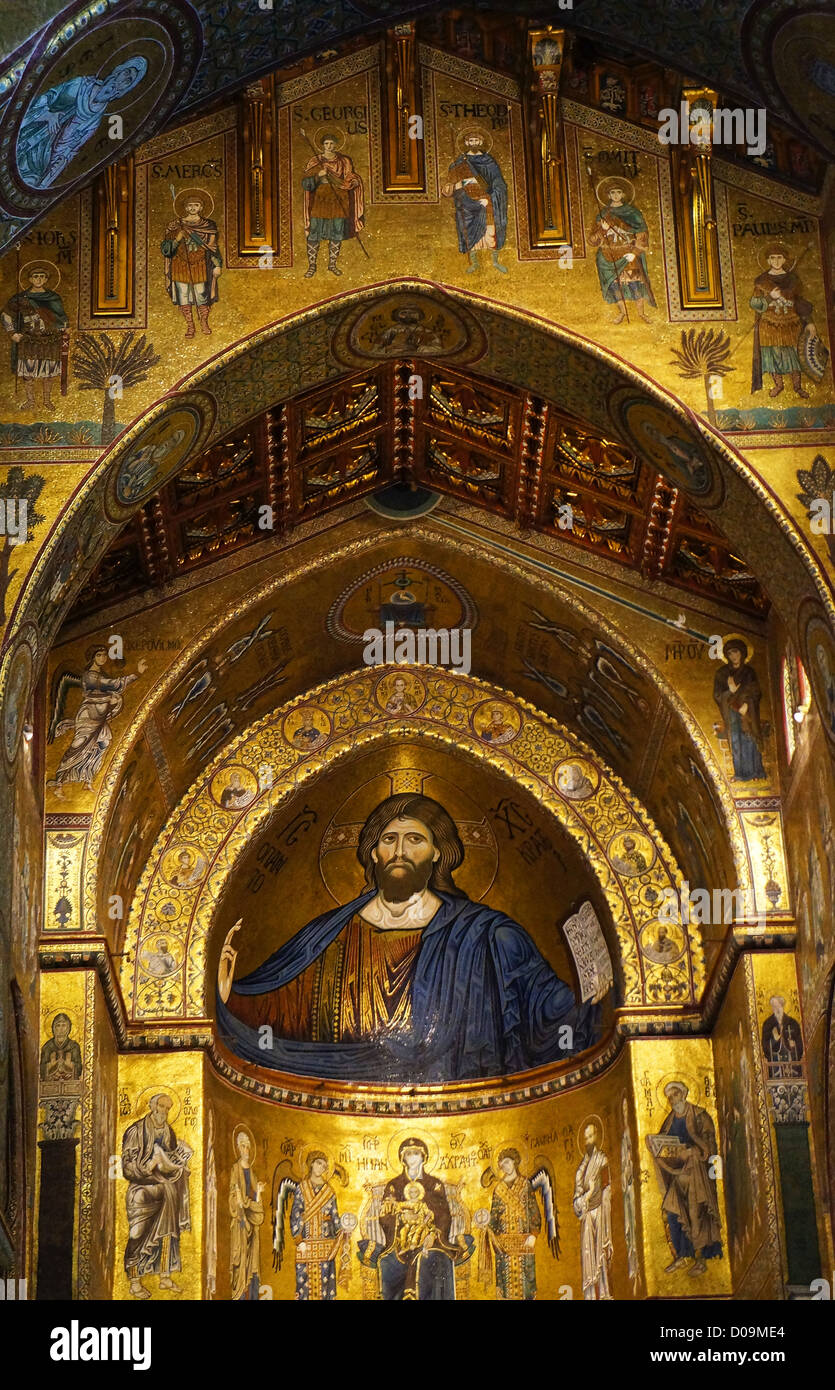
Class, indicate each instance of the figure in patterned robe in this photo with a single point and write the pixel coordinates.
(622, 239)
(781, 313)
(333, 203)
(37, 323)
(515, 1221)
(782, 1041)
(321, 1244)
(627, 1178)
(192, 264)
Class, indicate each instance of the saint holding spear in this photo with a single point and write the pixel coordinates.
(333, 203)
(192, 258)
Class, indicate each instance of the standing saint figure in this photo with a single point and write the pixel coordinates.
(37, 323)
(627, 1180)
(211, 1210)
(334, 203)
(157, 1200)
(102, 700)
(247, 1212)
(621, 236)
(782, 1041)
(741, 1170)
(689, 1200)
(781, 314)
(479, 194)
(60, 121)
(593, 1207)
(736, 691)
(509, 1235)
(192, 263)
(322, 1239)
(61, 1055)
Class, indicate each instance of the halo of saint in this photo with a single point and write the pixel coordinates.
(193, 195)
(147, 1094)
(334, 132)
(30, 268)
(462, 136)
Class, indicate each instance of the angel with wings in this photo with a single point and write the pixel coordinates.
(507, 1235)
(323, 1238)
(102, 697)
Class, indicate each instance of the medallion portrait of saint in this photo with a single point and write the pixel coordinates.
(62, 120)
(235, 788)
(574, 782)
(411, 980)
(400, 701)
(496, 723)
(307, 728)
(141, 467)
(158, 960)
(185, 867)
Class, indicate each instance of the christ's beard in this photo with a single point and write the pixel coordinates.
(401, 880)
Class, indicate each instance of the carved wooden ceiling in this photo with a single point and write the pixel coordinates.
(416, 423)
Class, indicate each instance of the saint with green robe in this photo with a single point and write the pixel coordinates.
(621, 237)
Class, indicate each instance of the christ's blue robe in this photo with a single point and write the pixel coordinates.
(484, 1003)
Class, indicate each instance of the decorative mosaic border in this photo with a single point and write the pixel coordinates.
(85, 1181)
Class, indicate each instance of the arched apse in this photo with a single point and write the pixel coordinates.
(596, 651)
(356, 712)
